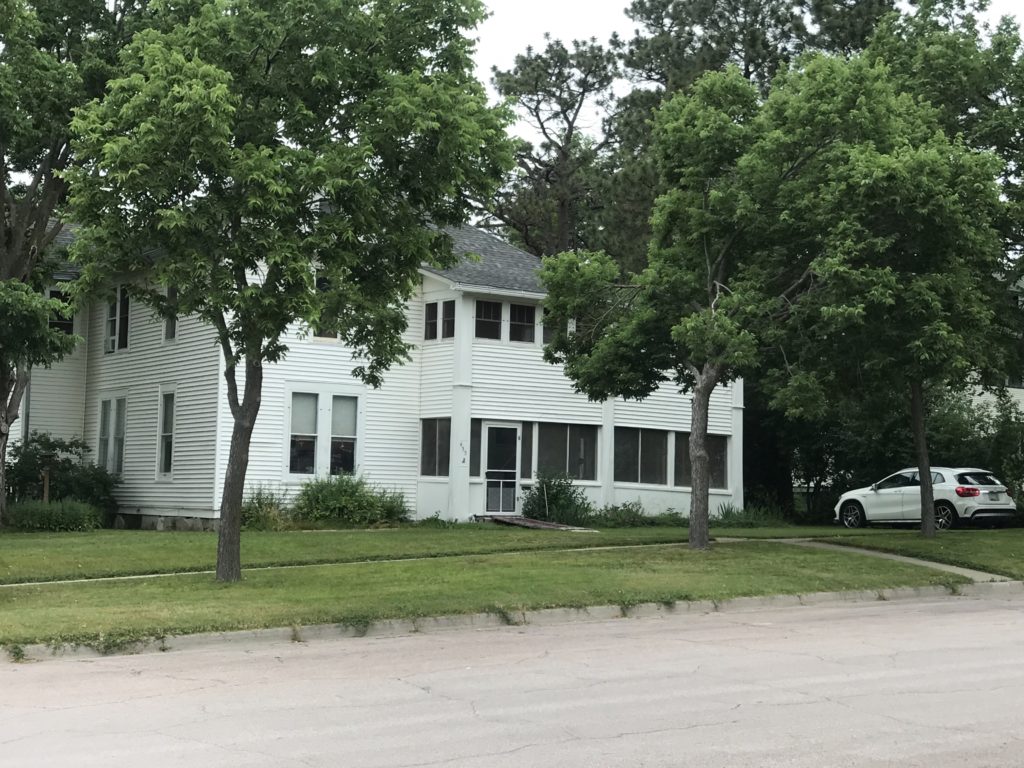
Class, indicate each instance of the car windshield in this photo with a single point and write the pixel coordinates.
(976, 478)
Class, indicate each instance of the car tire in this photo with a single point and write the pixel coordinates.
(946, 516)
(851, 515)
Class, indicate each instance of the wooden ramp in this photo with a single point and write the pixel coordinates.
(528, 522)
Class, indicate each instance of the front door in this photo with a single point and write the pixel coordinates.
(502, 468)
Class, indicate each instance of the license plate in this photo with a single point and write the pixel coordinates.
(994, 495)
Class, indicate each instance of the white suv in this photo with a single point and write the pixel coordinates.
(960, 494)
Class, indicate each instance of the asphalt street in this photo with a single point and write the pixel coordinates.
(905, 683)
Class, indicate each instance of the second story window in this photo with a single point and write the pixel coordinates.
(171, 323)
(439, 320)
(117, 321)
(521, 322)
(488, 320)
(62, 322)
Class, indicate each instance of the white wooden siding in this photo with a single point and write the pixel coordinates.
(512, 382)
(387, 446)
(667, 408)
(190, 364)
(56, 400)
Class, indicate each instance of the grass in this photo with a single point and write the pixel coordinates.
(52, 557)
(33, 557)
(108, 614)
(998, 551)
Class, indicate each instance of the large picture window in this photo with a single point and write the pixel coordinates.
(569, 449)
(718, 458)
(641, 456)
(435, 447)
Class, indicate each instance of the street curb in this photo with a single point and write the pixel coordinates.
(247, 639)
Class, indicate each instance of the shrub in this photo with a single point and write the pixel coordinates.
(71, 475)
(349, 501)
(554, 498)
(751, 516)
(265, 510)
(631, 515)
(53, 516)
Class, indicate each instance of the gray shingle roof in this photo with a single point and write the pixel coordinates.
(500, 265)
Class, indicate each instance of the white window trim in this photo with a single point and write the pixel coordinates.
(112, 396)
(110, 342)
(165, 389)
(441, 338)
(325, 394)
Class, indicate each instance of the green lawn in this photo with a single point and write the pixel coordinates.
(103, 613)
(998, 551)
(51, 557)
(28, 557)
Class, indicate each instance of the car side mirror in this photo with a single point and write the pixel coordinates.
(874, 486)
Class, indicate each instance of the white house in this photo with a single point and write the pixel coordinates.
(460, 429)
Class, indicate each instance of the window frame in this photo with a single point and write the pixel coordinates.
(640, 457)
(566, 443)
(110, 447)
(324, 437)
(117, 324)
(165, 391)
(528, 329)
(682, 453)
(64, 324)
(500, 320)
(430, 321)
(430, 432)
(171, 323)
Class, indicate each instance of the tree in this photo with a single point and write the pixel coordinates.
(54, 56)
(777, 219)
(286, 161)
(912, 296)
(546, 201)
(28, 341)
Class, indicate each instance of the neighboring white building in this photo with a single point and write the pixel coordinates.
(460, 429)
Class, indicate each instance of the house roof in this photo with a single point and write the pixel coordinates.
(497, 265)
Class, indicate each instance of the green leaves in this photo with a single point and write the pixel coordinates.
(24, 328)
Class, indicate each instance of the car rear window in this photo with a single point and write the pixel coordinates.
(976, 478)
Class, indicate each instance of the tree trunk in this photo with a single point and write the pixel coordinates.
(700, 467)
(13, 383)
(924, 468)
(229, 544)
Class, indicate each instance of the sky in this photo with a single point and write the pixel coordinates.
(515, 24)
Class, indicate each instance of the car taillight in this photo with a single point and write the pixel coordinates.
(965, 492)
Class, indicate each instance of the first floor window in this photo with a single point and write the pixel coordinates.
(166, 457)
(435, 447)
(343, 435)
(718, 458)
(569, 449)
(641, 456)
(322, 437)
(113, 424)
(302, 450)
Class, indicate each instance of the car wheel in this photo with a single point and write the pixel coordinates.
(851, 515)
(945, 516)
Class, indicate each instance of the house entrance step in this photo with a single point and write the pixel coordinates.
(528, 522)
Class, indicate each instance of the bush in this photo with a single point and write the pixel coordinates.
(631, 515)
(265, 510)
(349, 501)
(554, 498)
(72, 477)
(53, 516)
(751, 516)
